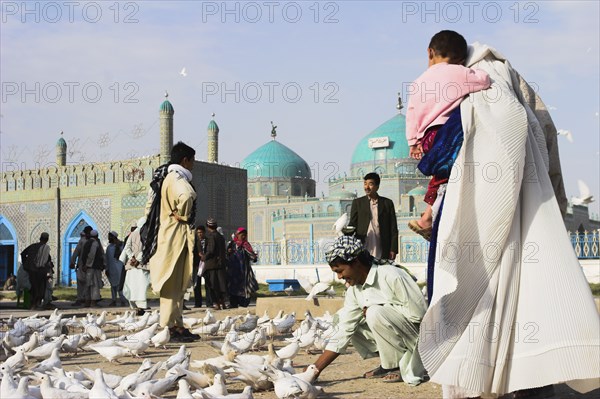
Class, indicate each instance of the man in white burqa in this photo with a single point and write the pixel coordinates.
(511, 309)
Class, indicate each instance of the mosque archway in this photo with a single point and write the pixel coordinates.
(70, 240)
(8, 248)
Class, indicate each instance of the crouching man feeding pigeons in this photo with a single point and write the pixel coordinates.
(381, 314)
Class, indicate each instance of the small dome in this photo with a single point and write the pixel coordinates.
(395, 131)
(273, 160)
(212, 126)
(418, 191)
(61, 143)
(167, 108)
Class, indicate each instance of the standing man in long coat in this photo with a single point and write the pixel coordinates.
(171, 266)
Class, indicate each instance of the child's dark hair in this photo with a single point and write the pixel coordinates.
(180, 151)
(373, 176)
(450, 44)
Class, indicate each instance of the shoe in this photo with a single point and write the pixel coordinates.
(49, 306)
(77, 303)
(139, 311)
(198, 306)
(177, 336)
(186, 308)
(112, 303)
(123, 303)
(95, 304)
(423, 232)
(187, 333)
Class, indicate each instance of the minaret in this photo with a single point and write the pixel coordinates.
(166, 130)
(61, 151)
(213, 141)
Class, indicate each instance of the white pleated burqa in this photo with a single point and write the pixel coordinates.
(511, 308)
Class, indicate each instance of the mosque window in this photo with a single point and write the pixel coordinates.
(5, 233)
(19, 184)
(330, 209)
(265, 189)
(72, 180)
(37, 182)
(380, 170)
(63, 180)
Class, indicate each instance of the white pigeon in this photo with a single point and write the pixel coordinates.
(305, 284)
(190, 322)
(263, 319)
(289, 290)
(341, 223)
(209, 318)
(162, 338)
(100, 390)
(135, 347)
(218, 388)
(249, 324)
(22, 391)
(585, 196)
(210, 329)
(309, 375)
(48, 391)
(286, 324)
(44, 351)
(226, 324)
(14, 363)
(111, 353)
(246, 394)
(50, 363)
(317, 289)
(176, 358)
(566, 133)
(183, 72)
(184, 390)
(289, 351)
(232, 335)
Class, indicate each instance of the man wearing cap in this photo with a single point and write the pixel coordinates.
(114, 267)
(37, 261)
(215, 275)
(171, 266)
(77, 264)
(93, 264)
(382, 312)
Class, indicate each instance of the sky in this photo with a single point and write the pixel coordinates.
(326, 73)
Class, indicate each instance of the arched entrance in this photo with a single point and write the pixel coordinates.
(8, 248)
(70, 240)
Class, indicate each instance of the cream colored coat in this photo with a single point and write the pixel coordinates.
(175, 239)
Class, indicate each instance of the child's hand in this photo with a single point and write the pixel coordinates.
(416, 151)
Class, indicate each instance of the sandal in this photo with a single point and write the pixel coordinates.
(392, 376)
(378, 372)
(423, 232)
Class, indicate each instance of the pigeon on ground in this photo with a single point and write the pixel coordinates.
(162, 338)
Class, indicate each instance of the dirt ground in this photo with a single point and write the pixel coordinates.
(342, 379)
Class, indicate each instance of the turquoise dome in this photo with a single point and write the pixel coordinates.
(395, 130)
(61, 143)
(275, 160)
(418, 191)
(167, 108)
(212, 126)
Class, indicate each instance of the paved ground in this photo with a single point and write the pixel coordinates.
(343, 379)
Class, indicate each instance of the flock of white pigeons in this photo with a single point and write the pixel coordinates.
(33, 347)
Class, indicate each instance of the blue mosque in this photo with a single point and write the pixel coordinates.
(283, 204)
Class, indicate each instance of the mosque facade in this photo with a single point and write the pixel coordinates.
(64, 198)
(289, 223)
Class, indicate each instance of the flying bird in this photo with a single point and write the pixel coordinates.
(585, 196)
(566, 133)
(183, 72)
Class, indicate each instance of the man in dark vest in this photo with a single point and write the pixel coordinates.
(93, 264)
(215, 275)
(37, 261)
